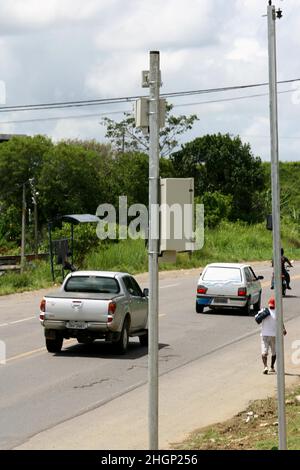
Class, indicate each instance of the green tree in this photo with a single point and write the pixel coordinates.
(21, 159)
(131, 177)
(70, 181)
(221, 163)
(125, 137)
(217, 207)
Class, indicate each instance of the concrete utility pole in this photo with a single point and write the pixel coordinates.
(154, 85)
(23, 227)
(272, 14)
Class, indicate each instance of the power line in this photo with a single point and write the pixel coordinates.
(83, 116)
(106, 101)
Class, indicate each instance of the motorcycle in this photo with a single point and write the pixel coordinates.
(283, 282)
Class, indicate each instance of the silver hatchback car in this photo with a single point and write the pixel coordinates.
(228, 285)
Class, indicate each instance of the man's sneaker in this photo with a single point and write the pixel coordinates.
(289, 288)
(265, 371)
(273, 370)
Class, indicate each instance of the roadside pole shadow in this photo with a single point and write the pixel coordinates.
(292, 375)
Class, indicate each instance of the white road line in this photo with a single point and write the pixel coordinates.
(17, 321)
(24, 319)
(170, 285)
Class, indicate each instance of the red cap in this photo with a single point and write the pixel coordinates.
(271, 302)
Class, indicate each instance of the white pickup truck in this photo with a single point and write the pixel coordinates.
(95, 304)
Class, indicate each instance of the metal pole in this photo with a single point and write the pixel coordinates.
(51, 250)
(154, 84)
(276, 226)
(36, 242)
(23, 227)
(34, 194)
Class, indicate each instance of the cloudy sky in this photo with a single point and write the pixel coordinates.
(67, 50)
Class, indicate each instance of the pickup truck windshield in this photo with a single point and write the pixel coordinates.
(222, 274)
(92, 284)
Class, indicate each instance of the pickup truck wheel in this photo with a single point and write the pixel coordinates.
(122, 344)
(144, 340)
(199, 308)
(54, 345)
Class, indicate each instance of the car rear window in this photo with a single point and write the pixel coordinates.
(215, 273)
(92, 284)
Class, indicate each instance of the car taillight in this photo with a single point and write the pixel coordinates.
(42, 316)
(201, 290)
(111, 310)
(242, 292)
(43, 305)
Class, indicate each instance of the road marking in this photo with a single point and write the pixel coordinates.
(28, 353)
(162, 315)
(34, 351)
(19, 321)
(170, 285)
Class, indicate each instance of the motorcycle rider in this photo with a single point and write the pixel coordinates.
(284, 271)
(284, 261)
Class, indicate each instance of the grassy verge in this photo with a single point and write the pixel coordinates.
(255, 428)
(36, 276)
(228, 243)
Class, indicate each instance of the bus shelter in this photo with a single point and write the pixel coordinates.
(62, 250)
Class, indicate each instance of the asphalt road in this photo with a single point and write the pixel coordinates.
(38, 390)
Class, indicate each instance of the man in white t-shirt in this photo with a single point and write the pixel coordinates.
(268, 337)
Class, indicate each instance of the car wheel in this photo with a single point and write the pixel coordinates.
(54, 345)
(257, 306)
(246, 309)
(122, 344)
(199, 308)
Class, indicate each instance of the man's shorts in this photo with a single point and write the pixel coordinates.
(266, 343)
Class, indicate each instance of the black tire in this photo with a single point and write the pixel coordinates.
(54, 345)
(246, 310)
(121, 345)
(199, 308)
(257, 306)
(144, 340)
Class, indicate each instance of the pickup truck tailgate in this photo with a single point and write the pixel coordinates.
(76, 308)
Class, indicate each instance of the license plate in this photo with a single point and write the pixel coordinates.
(220, 300)
(76, 325)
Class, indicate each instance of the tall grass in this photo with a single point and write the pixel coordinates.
(126, 256)
(36, 276)
(229, 242)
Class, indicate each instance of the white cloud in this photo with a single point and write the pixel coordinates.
(63, 50)
(35, 14)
